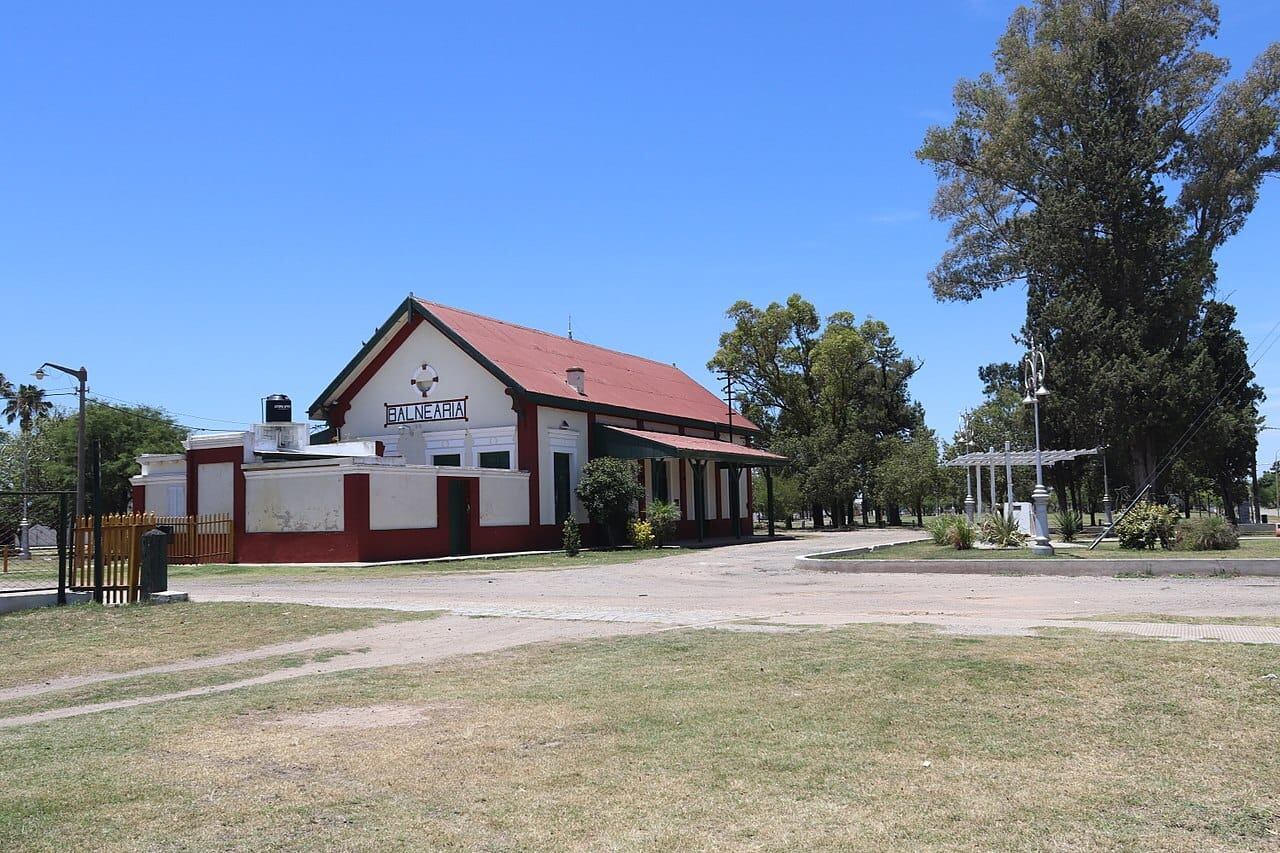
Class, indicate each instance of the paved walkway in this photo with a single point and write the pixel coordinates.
(753, 587)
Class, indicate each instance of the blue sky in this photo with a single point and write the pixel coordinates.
(208, 203)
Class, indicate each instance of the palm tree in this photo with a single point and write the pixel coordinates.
(26, 407)
(6, 387)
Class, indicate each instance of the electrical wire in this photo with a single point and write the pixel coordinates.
(1189, 433)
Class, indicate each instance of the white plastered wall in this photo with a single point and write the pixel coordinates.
(504, 499)
(294, 501)
(402, 499)
(554, 438)
(215, 488)
(488, 404)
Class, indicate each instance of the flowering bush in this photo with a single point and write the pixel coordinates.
(1146, 525)
(642, 534)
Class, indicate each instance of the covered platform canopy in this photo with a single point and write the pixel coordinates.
(1018, 457)
(624, 443)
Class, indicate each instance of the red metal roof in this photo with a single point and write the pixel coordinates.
(537, 362)
(709, 446)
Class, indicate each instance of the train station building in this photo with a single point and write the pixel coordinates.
(455, 433)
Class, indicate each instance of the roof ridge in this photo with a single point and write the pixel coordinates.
(545, 333)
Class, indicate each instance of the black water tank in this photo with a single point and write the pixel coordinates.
(279, 409)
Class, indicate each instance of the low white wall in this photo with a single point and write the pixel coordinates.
(215, 491)
(403, 499)
(302, 501)
(504, 499)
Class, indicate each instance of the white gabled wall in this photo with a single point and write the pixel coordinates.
(488, 404)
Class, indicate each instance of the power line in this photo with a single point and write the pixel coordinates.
(183, 414)
(166, 421)
(1192, 428)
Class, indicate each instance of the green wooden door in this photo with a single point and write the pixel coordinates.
(459, 517)
(562, 486)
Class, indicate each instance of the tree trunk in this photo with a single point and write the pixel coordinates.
(817, 516)
(1228, 504)
(1143, 465)
(919, 513)
(894, 513)
(1186, 505)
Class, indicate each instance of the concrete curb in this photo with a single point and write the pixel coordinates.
(1067, 567)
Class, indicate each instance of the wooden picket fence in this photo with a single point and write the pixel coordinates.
(200, 538)
(196, 539)
(121, 556)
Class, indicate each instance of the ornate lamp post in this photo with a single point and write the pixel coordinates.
(1033, 373)
(1106, 488)
(966, 441)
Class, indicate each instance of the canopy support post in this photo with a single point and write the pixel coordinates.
(699, 496)
(768, 486)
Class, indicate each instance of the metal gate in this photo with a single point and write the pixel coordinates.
(36, 548)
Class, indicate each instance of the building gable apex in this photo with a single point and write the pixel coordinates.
(385, 341)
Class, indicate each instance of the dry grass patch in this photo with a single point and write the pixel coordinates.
(86, 638)
(870, 737)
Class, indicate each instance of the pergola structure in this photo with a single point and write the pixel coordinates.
(1009, 458)
(1017, 457)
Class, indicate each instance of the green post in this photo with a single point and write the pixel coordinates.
(768, 484)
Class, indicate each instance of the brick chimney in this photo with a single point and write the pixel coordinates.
(577, 379)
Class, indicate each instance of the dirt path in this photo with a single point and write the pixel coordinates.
(719, 588)
(386, 645)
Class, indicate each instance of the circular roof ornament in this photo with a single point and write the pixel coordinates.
(425, 379)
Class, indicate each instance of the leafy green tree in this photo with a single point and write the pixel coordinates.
(787, 499)
(909, 475)
(26, 406)
(122, 434)
(1102, 163)
(610, 488)
(826, 395)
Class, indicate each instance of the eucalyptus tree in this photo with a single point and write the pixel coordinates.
(1101, 163)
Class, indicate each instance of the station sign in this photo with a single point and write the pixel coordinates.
(426, 412)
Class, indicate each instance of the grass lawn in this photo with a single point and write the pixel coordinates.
(926, 550)
(85, 638)
(870, 738)
(555, 560)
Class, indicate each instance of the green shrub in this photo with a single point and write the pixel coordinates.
(1210, 533)
(1070, 523)
(939, 526)
(662, 518)
(1147, 525)
(1001, 530)
(961, 535)
(641, 534)
(608, 488)
(572, 537)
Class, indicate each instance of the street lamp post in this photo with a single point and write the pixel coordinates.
(83, 376)
(1033, 373)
